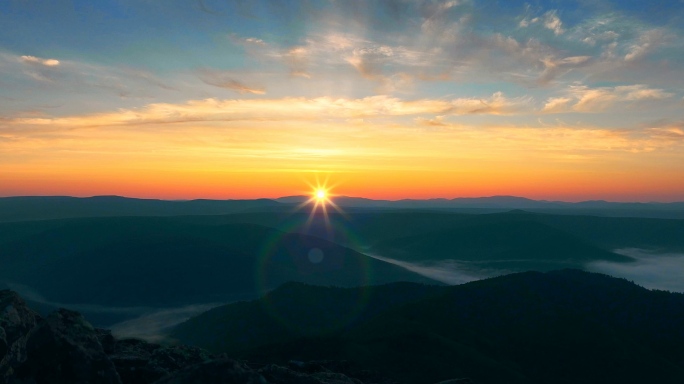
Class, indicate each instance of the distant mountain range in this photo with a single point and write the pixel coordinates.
(499, 202)
(56, 207)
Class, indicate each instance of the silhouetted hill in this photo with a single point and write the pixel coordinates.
(162, 262)
(57, 207)
(557, 327)
(295, 310)
(364, 227)
(509, 243)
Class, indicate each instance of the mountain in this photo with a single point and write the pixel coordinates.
(498, 244)
(161, 262)
(504, 203)
(64, 348)
(14, 209)
(58, 207)
(563, 326)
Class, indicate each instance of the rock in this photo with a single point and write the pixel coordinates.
(16, 320)
(63, 348)
(3, 343)
(317, 368)
(106, 339)
(221, 371)
(141, 362)
(280, 375)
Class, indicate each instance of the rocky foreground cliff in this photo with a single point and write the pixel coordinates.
(64, 348)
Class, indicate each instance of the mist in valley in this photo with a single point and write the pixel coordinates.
(652, 270)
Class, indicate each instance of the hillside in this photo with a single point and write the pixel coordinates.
(563, 327)
(511, 244)
(159, 262)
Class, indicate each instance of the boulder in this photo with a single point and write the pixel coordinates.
(140, 362)
(220, 371)
(63, 348)
(16, 320)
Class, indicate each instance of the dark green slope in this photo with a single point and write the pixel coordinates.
(370, 227)
(525, 244)
(295, 310)
(162, 262)
(557, 327)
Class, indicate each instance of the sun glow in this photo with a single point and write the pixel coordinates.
(321, 194)
(320, 200)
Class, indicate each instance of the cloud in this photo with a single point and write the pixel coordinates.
(297, 58)
(68, 79)
(672, 131)
(581, 98)
(226, 80)
(39, 61)
(553, 22)
(254, 40)
(289, 109)
(647, 42)
(555, 67)
(369, 60)
(549, 20)
(392, 66)
(557, 105)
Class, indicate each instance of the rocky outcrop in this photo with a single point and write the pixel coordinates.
(215, 372)
(64, 348)
(139, 362)
(16, 320)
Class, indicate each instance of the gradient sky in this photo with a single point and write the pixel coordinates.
(562, 100)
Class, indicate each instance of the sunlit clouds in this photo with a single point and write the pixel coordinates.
(37, 60)
(429, 98)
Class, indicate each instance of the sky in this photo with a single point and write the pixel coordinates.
(181, 99)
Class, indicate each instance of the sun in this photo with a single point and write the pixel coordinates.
(321, 194)
(321, 200)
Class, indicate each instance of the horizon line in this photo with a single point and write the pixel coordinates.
(349, 197)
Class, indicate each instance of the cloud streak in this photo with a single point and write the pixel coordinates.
(581, 98)
(226, 80)
(287, 109)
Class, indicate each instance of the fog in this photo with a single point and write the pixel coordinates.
(148, 323)
(653, 270)
(154, 326)
(446, 271)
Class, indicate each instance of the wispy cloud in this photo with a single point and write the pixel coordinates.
(581, 98)
(288, 109)
(647, 42)
(549, 20)
(40, 61)
(226, 80)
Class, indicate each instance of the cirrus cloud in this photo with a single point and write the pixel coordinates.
(581, 98)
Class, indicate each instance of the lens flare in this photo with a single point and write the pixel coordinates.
(299, 247)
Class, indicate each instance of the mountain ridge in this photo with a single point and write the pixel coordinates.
(562, 326)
